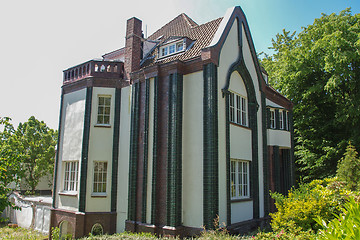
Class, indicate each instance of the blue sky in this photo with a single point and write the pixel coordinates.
(40, 38)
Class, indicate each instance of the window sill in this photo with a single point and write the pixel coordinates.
(284, 130)
(99, 195)
(71, 194)
(102, 125)
(241, 200)
(238, 125)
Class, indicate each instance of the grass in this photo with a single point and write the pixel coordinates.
(20, 233)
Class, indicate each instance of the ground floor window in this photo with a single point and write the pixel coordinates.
(100, 176)
(71, 176)
(239, 177)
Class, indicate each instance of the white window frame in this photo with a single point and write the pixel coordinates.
(71, 174)
(164, 51)
(281, 120)
(238, 109)
(272, 119)
(105, 113)
(239, 179)
(99, 183)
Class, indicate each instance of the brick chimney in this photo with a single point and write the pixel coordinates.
(132, 46)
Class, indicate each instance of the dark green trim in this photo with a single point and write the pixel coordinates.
(154, 161)
(174, 179)
(115, 152)
(268, 118)
(134, 133)
(85, 150)
(210, 146)
(265, 124)
(227, 146)
(146, 144)
(57, 152)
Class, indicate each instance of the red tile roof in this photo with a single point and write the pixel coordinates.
(183, 26)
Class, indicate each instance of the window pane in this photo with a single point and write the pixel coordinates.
(171, 49)
(179, 47)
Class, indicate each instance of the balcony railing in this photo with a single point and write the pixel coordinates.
(94, 68)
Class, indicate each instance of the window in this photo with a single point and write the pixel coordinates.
(240, 105)
(71, 176)
(239, 177)
(100, 172)
(272, 118)
(103, 116)
(281, 120)
(172, 48)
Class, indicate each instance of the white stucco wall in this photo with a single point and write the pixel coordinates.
(192, 143)
(240, 143)
(228, 56)
(279, 138)
(241, 211)
(100, 149)
(123, 161)
(70, 145)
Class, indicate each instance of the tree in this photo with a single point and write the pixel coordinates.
(349, 168)
(35, 143)
(9, 164)
(319, 70)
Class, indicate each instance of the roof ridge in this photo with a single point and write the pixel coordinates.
(189, 21)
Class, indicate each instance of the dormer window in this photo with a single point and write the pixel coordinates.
(172, 48)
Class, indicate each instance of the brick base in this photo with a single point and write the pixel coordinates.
(83, 222)
(180, 231)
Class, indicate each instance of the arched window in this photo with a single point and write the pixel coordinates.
(65, 230)
(102, 68)
(108, 68)
(97, 229)
(96, 68)
(115, 68)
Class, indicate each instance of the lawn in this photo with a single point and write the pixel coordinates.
(20, 233)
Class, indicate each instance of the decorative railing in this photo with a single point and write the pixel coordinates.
(94, 68)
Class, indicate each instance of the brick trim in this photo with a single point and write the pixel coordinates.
(85, 150)
(115, 153)
(211, 148)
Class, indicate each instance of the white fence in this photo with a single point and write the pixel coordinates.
(34, 212)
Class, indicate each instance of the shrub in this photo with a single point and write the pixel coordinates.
(349, 168)
(344, 226)
(320, 198)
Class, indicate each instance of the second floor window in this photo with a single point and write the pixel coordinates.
(237, 109)
(272, 119)
(103, 116)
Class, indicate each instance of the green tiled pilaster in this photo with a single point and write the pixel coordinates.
(146, 143)
(174, 179)
(134, 130)
(85, 150)
(265, 124)
(210, 146)
(115, 152)
(57, 152)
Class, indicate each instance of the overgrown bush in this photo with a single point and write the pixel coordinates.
(349, 168)
(319, 198)
(346, 225)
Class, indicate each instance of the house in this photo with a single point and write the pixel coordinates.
(171, 131)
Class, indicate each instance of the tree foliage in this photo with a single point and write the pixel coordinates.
(27, 153)
(319, 70)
